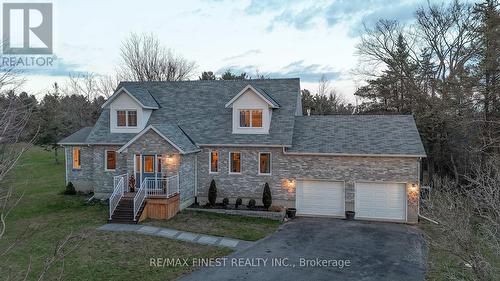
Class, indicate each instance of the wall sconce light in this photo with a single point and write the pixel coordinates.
(289, 184)
(413, 193)
(169, 159)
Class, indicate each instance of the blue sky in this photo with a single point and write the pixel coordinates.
(303, 39)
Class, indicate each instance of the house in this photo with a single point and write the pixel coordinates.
(173, 138)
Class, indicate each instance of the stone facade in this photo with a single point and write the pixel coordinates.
(92, 175)
(173, 163)
(293, 168)
(194, 176)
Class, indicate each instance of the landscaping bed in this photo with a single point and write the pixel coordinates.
(265, 214)
(226, 225)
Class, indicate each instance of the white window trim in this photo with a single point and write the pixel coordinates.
(73, 158)
(270, 164)
(251, 122)
(106, 160)
(126, 118)
(210, 161)
(241, 163)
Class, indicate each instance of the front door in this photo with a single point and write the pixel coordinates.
(148, 166)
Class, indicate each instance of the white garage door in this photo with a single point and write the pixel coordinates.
(325, 198)
(384, 201)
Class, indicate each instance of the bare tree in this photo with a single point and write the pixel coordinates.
(468, 217)
(143, 58)
(90, 85)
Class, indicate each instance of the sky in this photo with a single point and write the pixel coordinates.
(277, 38)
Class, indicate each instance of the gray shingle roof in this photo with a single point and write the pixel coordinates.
(198, 107)
(357, 134)
(139, 92)
(77, 137)
(268, 97)
(176, 135)
(101, 134)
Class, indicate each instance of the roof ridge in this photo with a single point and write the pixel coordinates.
(209, 81)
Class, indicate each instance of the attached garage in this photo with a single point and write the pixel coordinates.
(380, 201)
(320, 198)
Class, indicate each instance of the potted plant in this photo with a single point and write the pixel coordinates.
(291, 212)
(131, 183)
(349, 215)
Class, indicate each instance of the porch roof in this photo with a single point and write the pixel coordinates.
(172, 133)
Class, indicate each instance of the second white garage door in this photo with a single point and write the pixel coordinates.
(324, 198)
(382, 201)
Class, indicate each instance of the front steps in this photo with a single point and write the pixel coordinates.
(124, 212)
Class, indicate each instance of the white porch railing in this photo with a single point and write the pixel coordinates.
(139, 197)
(162, 186)
(119, 187)
(155, 186)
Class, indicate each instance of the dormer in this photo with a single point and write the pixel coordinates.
(129, 110)
(252, 111)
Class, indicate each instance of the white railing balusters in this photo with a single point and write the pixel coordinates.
(119, 183)
(155, 187)
(139, 197)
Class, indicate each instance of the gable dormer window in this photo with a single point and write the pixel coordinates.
(126, 118)
(250, 118)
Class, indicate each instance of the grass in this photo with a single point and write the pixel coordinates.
(440, 262)
(239, 227)
(44, 216)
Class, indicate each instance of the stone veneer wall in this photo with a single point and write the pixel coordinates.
(92, 175)
(249, 184)
(152, 143)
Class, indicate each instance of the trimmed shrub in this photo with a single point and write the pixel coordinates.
(70, 189)
(225, 201)
(212, 193)
(251, 203)
(239, 202)
(267, 199)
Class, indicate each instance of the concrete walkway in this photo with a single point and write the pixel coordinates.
(178, 235)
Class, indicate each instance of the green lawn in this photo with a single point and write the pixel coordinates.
(239, 227)
(44, 216)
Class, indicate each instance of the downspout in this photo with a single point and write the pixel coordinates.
(66, 164)
(196, 178)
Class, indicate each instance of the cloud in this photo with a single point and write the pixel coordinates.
(59, 68)
(306, 72)
(243, 55)
(303, 15)
(258, 6)
(299, 19)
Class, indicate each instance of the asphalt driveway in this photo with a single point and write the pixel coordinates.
(326, 249)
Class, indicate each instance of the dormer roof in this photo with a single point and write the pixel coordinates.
(138, 93)
(260, 93)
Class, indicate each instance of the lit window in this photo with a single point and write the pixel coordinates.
(137, 163)
(214, 161)
(244, 118)
(158, 164)
(110, 160)
(251, 118)
(148, 164)
(265, 163)
(121, 120)
(132, 118)
(235, 162)
(76, 158)
(126, 118)
(257, 118)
